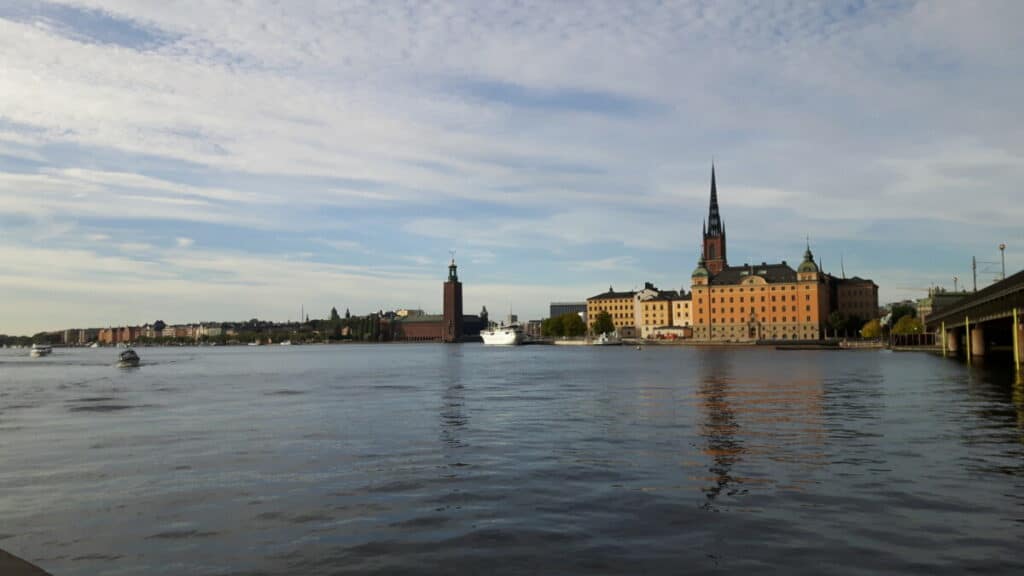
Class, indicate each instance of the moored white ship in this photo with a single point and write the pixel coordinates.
(503, 335)
(608, 339)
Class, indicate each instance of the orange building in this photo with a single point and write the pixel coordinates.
(768, 301)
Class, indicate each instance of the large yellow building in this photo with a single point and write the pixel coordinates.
(740, 303)
(768, 301)
(642, 313)
(621, 306)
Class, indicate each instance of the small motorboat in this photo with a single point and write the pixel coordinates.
(128, 359)
(40, 350)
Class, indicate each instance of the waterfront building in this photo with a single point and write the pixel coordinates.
(450, 326)
(532, 329)
(644, 312)
(682, 311)
(208, 331)
(855, 298)
(557, 309)
(768, 301)
(649, 292)
(619, 305)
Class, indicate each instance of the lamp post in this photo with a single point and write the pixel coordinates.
(1002, 257)
(955, 280)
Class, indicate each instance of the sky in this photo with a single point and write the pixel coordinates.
(207, 160)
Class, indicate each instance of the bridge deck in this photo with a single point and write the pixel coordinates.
(990, 303)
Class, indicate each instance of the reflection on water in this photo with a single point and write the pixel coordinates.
(465, 459)
(719, 426)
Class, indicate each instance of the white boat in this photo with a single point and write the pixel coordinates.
(94, 345)
(40, 350)
(256, 343)
(285, 343)
(503, 335)
(608, 339)
(128, 359)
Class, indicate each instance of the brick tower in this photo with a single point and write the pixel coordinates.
(714, 234)
(452, 329)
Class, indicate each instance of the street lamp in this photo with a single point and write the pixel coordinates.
(955, 280)
(1002, 256)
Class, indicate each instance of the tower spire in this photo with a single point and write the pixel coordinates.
(714, 219)
(714, 232)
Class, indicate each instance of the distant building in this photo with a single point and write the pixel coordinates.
(532, 329)
(642, 313)
(450, 326)
(619, 305)
(855, 297)
(666, 312)
(937, 299)
(557, 309)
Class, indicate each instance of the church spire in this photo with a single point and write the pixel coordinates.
(714, 219)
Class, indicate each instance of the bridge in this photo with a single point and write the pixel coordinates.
(984, 322)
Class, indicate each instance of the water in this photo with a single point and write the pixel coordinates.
(466, 459)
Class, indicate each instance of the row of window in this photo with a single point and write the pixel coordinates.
(759, 289)
(732, 310)
(793, 298)
(774, 320)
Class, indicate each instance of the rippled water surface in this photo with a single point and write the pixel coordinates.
(445, 459)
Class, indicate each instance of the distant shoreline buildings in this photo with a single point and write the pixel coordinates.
(745, 303)
(404, 325)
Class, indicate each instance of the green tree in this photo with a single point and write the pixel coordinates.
(572, 325)
(603, 323)
(837, 321)
(872, 329)
(908, 325)
(552, 327)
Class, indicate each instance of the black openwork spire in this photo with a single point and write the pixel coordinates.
(715, 227)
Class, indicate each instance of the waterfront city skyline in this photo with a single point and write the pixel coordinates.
(155, 164)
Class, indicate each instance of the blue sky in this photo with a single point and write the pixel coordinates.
(202, 160)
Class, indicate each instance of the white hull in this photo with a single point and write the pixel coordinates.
(38, 351)
(502, 336)
(606, 340)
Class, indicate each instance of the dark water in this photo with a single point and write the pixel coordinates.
(536, 460)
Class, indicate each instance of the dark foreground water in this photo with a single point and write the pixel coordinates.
(534, 460)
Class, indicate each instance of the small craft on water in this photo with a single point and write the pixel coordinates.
(40, 350)
(608, 339)
(128, 359)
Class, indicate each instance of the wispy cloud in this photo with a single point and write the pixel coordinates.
(375, 139)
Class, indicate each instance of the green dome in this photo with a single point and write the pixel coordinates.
(700, 270)
(808, 266)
